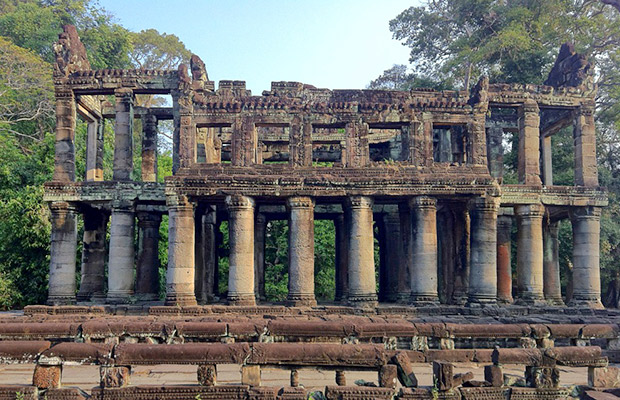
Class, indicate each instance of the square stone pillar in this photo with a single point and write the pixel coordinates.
(62, 254)
(547, 160)
(147, 268)
(93, 256)
(361, 267)
(259, 256)
(584, 135)
(404, 285)
(64, 156)
(206, 254)
(423, 250)
(529, 143)
(396, 281)
(551, 265)
(342, 257)
(123, 135)
(301, 251)
(94, 150)
(241, 258)
(504, 262)
(357, 151)
(530, 253)
(483, 272)
(149, 148)
(122, 253)
(586, 256)
(181, 242)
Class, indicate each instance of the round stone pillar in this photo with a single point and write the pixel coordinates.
(147, 269)
(530, 253)
(181, 254)
(551, 265)
(241, 258)
(122, 253)
(423, 250)
(361, 267)
(504, 265)
(483, 255)
(62, 254)
(586, 268)
(301, 252)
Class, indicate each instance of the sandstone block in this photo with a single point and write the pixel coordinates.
(250, 375)
(460, 379)
(114, 377)
(207, 375)
(494, 375)
(47, 376)
(608, 377)
(542, 377)
(406, 376)
(388, 375)
(443, 375)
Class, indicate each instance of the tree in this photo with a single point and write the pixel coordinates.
(154, 50)
(400, 78)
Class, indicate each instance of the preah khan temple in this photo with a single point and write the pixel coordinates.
(428, 231)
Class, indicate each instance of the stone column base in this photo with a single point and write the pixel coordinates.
(363, 300)
(421, 300)
(60, 300)
(559, 302)
(179, 299)
(147, 297)
(527, 300)
(301, 300)
(241, 299)
(481, 301)
(594, 304)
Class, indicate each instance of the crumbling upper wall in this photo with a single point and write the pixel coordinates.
(571, 69)
(70, 53)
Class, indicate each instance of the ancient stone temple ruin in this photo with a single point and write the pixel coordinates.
(424, 167)
(418, 175)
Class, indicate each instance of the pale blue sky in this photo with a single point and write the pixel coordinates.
(337, 44)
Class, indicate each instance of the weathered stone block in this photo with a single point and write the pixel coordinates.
(250, 375)
(114, 377)
(406, 376)
(494, 375)
(388, 375)
(542, 377)
(608, 377)
(443, 375)
(207, 375)
(47, 376)
(460, 379)
(341, 379)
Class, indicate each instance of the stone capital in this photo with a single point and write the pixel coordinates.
(146, 218)
(62, 207)
(360, 202)
(121, 205)
(485, 204)
(423, 203)
(579, 213)
(237, 202)
(530, 106)
(124, 95)
(62, 93)
(504, 222)
(530, 210)
(300, 202)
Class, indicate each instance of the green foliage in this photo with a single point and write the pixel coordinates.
(155, 50)
(324, 260)
(276, 261)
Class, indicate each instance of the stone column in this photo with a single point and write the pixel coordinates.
(406, 265)
(301, 251)
(361, 266)
(483, 264)
(586, 172)
(147, 268)
(149, 148)
(529, 143)
(206, 255)
(93, 257)
(64, 157)
(62, 254)
(423, 250)
(530, 253)
(547, 161)
(259, 256)
(93, 171)
(342, 257)
(504, 265)
(397, 284)
(181, 253)
(241, 259)
(123, 135)
(551, 265)
(586, 223)
(122, 253)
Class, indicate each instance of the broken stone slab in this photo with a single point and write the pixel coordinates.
(388, 376)
(575, 356)
(531, 357)
(443, 376)
(459, 379)
(405, 373)
(114, 377)
(47, 376)
(207, 375)
(250, 375)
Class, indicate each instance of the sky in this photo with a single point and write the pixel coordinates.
(335, 44)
